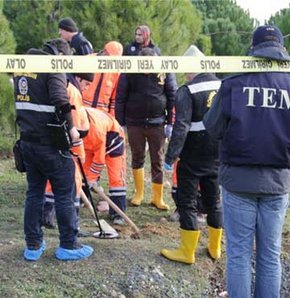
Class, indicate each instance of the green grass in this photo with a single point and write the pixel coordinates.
(6, 143)
(126, 266)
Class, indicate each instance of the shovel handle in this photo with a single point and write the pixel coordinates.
(117, 209)
(87, 203)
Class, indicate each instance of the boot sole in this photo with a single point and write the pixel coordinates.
(209, 255)
(159, 208)
(177, 260)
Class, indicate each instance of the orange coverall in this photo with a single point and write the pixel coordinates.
(105, 145)
(101, 93)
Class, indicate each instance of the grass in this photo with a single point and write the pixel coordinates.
(127, 266)
(6, 141)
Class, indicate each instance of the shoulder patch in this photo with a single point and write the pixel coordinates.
(23, 86)
(210, 98)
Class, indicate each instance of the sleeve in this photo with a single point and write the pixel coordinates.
(170, 92)
(98, 161)
(215, 121)
(86, 48)
(57, 88)
(78, 149)
(183, 108)
(121, 99)
(112, 103)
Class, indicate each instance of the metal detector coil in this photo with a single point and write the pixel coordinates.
(105, 230)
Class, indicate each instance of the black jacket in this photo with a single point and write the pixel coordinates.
(145, 99)
(36, 97)
(189, 138)
(80, 45)
(134, 48)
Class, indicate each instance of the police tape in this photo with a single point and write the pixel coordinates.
(137, 64)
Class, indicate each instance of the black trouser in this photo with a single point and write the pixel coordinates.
(190, 175)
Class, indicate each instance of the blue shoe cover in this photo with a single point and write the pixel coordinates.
(34, 255)
(83, 252)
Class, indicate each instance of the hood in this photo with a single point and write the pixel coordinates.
(271, 50)
(114, 48)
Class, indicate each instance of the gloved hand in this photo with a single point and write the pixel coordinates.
(74, 134)
(168, 130)
(95, 185)
(167, 167)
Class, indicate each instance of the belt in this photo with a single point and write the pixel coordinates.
(154, 121)
(33, 139)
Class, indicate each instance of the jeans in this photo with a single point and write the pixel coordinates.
(44, 162)
(247, 219)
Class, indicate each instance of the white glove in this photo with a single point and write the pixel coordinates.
(95, 185)
(74, 134)
(168, 130)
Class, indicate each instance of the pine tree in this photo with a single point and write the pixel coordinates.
(282, 20)
(229, 26)
(7, 46)
(31, 21)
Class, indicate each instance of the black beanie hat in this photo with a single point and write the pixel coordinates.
(85, 76)
(68, 24)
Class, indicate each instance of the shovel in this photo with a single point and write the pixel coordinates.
(117, 210)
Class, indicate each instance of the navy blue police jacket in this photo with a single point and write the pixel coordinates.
(36, 97)
(255, 107)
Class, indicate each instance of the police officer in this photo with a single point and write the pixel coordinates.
(197, 166)
(38, 96)
(76, 84)
(250, 115)
(142, 40)
(69, 31)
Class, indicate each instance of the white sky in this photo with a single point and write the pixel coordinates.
(263, 9)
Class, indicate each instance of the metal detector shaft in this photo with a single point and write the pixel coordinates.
(87, 203)
(89, 193)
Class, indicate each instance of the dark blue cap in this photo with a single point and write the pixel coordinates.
(267, 33)
(268, 43)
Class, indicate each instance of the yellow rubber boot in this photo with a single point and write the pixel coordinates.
(157, 197)
(186, 251)
(214, 242)
(138, 175)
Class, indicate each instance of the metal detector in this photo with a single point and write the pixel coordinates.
(110, 232)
